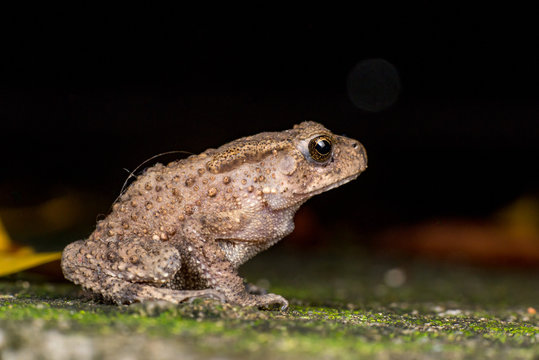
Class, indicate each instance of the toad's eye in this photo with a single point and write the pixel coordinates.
(320, 148)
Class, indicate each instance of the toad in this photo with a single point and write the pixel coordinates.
(180, 231)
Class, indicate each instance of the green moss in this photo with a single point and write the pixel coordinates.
(347, 314)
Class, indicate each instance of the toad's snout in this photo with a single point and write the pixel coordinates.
(363, 156)
(360, 154)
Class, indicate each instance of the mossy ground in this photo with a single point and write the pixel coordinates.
(341, 307)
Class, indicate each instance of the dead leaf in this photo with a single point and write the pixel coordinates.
(15, 258)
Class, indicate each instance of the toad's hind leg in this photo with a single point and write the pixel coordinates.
(127, 271)
(120, 291)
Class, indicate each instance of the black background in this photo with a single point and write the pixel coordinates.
(87, 91)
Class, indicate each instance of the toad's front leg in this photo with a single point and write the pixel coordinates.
(208, 267)
(128, 271)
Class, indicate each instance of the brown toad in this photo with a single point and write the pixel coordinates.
(181, 231)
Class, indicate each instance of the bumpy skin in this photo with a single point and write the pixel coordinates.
(181, 231)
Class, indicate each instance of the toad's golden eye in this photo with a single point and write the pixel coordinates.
(320, 148)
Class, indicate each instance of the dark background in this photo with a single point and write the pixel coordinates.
(86, 92)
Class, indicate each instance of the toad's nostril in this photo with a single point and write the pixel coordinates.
(355, 145)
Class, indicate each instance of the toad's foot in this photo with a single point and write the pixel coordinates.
(124, 292)
(270, 300)
(266, 301)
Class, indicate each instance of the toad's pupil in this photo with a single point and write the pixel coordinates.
(323, 147)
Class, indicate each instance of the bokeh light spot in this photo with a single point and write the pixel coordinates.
(373, 85)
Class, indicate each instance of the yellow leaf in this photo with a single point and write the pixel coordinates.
(24, 259)
(5, 241)
(14, 259)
